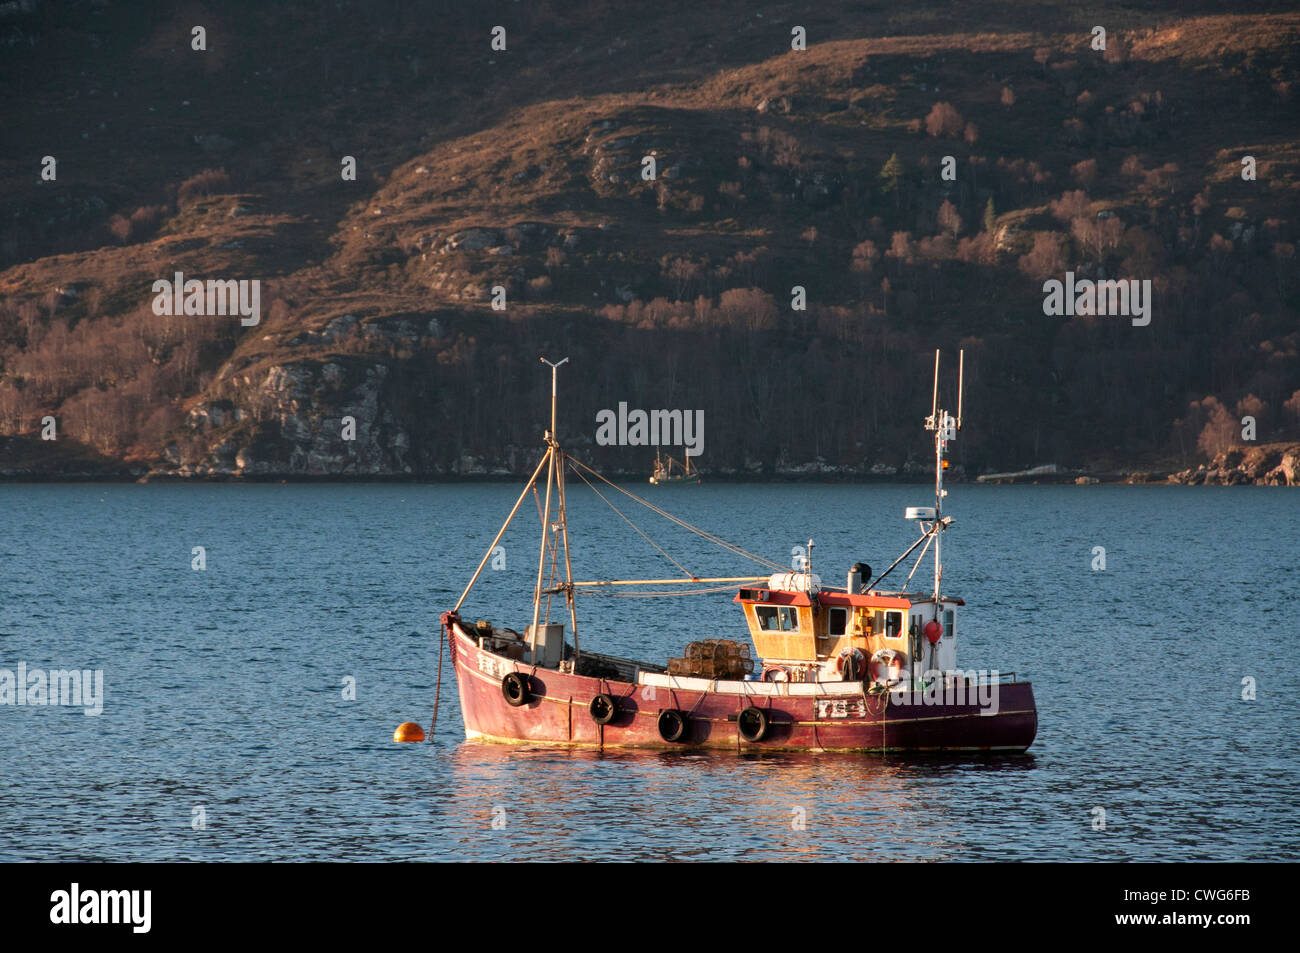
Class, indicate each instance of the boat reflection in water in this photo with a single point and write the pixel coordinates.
(524, 802)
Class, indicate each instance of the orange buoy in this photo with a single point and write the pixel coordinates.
(408, 731)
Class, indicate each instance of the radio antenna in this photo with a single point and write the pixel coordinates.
(934, 400)
(961, 374)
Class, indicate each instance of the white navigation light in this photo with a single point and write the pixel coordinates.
(919, 513)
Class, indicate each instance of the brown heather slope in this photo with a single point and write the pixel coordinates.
(522, 170)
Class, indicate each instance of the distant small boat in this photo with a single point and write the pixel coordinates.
(664, 474)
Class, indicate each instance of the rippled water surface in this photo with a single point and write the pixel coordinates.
(224, 688)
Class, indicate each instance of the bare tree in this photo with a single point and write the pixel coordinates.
(949, 220)
(944, 120)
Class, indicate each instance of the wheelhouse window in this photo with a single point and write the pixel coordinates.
(949, 622)
(893, 625)
(777, 618)
(887, 624)
(839, 619)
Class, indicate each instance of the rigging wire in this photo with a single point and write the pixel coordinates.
(688, 573)
(717, 540)
(917, 564)
(608, 594)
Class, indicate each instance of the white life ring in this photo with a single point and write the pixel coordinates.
(887, 665)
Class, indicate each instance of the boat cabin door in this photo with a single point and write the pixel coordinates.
(941, 655)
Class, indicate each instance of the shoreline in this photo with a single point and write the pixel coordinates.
(1274, 464)
(1070, 479)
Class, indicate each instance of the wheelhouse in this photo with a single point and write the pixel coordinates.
(800, 629)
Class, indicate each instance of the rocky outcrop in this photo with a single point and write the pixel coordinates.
(306, 419)
(1275, 464)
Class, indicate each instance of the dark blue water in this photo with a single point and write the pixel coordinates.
(224, 688)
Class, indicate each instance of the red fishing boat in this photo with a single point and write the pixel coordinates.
(852, 668)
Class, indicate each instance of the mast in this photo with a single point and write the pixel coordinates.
(557, 534)
(568, 566)
(945, 428)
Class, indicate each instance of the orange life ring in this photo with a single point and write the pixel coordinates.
(851, 665)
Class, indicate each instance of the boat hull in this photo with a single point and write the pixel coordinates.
(818, 718)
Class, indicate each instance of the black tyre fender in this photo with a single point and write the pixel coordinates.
(515, 687)
(753, 724)
(673, 724)
(603, 709)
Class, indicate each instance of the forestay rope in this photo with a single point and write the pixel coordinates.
(665, 555)
(704, 534)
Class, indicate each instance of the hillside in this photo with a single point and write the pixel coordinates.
(522, 169)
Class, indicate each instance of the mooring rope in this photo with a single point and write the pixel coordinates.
(437, 692)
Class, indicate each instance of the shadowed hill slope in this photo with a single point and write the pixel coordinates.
(524, 170)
